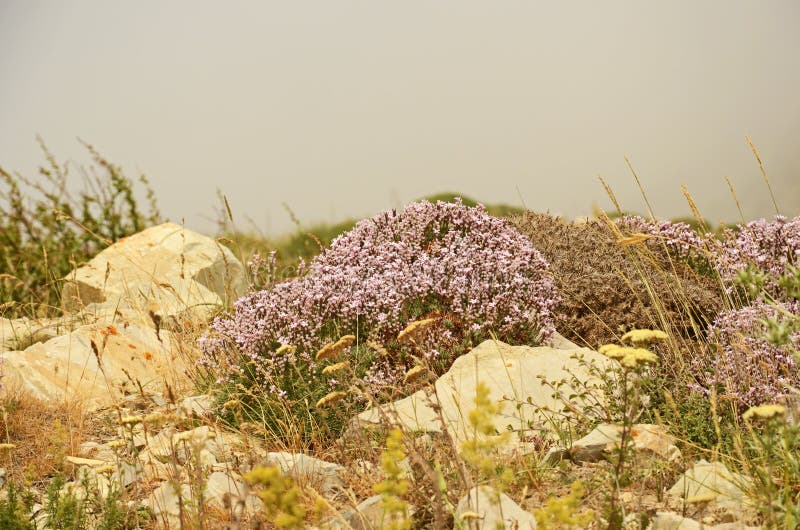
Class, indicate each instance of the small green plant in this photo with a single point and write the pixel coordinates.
(15, 509)
(46, 228)
(480, 450)
(65, 511)
(632, 362)
(565, 512)
(87, 504)
(282, 498)
(395, 486)
(772, 460)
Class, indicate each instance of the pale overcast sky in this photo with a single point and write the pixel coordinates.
(343, 108)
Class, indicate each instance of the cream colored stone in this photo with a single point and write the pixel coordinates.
(168, 269)
(79, 461)
(20, 333)
(514, 376)
(97, 364)
(485, 509)
(605, 438)
(713, 482)
(326, 476)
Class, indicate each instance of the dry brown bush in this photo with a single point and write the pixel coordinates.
(608, 288)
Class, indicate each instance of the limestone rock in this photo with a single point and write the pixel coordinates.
(222, 490)
(606, 437)
(198, 445)
(674, 521)
(98, 451)
(166, 267)
(20, 333)
(513, 374)
(96, 364)
(485, 509)
(229, 489)
(326, 476)
(197, 406)
(713, 482)
(166, 501)
(368, 515)
(559, 342)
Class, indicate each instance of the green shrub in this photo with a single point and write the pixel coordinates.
(46, 228)
(15, 510)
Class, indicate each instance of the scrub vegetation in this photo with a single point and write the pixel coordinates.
(702, 327)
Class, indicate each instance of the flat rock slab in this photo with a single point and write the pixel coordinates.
(605, 439)
(485, 509)
(327, 476)
(713, 482)
(515, 376)
(674, 521)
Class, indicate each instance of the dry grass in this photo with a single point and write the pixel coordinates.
(43, 432)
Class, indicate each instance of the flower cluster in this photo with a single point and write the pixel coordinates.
(747, 367)
(679, 238)
(768, 247)
(388, 271)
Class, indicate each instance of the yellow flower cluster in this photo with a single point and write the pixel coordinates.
(627, 356)
(395, 486)
(644, 336)
(285, 348)
(281, 497)
(130, 420)
(764, 411)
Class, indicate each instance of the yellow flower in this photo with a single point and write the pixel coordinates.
(764, 411)
(635, 356)
(330, 399)
(612, 351)
(415, 328)
(627, 356)
(644, 336)
(183, 436)
(333, 349)
(117, 444)
(414, 373)
(338, 367)
(7, 447)
(105, 469)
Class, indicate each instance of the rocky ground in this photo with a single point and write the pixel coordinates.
(123, 352)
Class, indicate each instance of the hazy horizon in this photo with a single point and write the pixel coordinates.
(342, 109)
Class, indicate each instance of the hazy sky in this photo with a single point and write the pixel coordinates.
(346, 108)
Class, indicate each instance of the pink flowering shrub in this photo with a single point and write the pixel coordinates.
(747, 366)
(680, 239)
(761, 252)
(475, 270)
